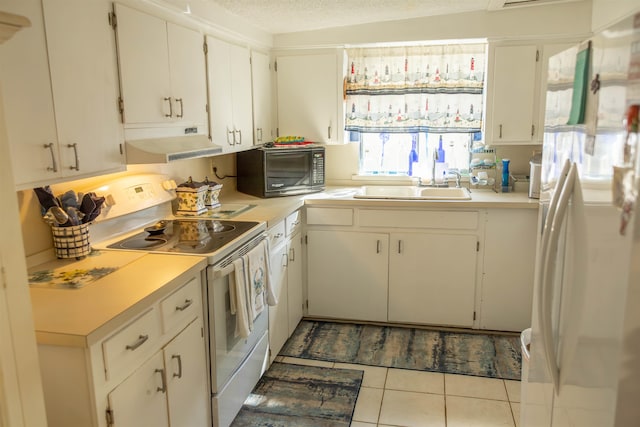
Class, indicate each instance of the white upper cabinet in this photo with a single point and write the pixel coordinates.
(516, 92)
(308, 102)
(60, 92)
(511, 95)
(162, 73)
(261, 81)
(230, 99)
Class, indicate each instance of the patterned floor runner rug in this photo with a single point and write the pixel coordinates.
(301, 396)
(484, 355)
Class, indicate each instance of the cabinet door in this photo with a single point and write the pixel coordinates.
(184, 359)
(278, 316)
(220, 94)
(261, 79)
(294, 282)
(507, 283)
(82, 61)
(432, 279)
(188, 76)
(347, 274)
(142, 396)
(307, 97)
(240, 61)
(144, 66)
(513, 93)
(28, 105)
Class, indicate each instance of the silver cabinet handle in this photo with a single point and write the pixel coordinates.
(399, 246)
(163, 377)
(170, 107)
(329, 131)
(179, 359)
(75, 153)
(141, 340)
(500, 132)
(292, 254)
(184, 306)
(179, 100)
(54, 164)
(258, 134)
(240, 138)
(286, 260)
(231, 132)
(378, 248)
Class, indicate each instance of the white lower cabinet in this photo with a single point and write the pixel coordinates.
(507, 282)
(348, 274)
(456, 267)
(278, 320)
(150, 370)
(432, 278)
(295, 297)
(286, 280)
(170, 389)
(393, 265)
(142, 396)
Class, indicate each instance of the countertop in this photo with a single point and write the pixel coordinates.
(275, 209)
(82, 317)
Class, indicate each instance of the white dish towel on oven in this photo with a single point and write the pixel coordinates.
(259, 290)
(238, 298)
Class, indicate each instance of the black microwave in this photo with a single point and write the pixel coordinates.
(281, 171)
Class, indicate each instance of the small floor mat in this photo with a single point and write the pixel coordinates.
(484, 355)
(303, 396)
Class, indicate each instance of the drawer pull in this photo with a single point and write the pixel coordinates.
(292, 254)
(184, 306)
(378, 246)
(179, 374)
(141, 340)
(163, 377)
(277, 236)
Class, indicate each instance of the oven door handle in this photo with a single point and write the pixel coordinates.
(224, 271)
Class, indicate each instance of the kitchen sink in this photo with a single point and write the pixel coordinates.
(410, 192)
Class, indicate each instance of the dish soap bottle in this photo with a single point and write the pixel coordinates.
(505, 175)
(440, 158)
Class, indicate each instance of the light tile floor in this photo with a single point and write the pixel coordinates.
(402, 398)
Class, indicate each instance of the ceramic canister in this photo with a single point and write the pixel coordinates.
(211, 201)
(191, 197)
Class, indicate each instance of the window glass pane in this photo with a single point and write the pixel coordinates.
(411, 154)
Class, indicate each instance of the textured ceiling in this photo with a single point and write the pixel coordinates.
(285, 16)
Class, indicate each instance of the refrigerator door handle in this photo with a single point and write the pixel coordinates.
(544, 241)
(549, 271)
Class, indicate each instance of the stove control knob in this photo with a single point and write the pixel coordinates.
(169, 184)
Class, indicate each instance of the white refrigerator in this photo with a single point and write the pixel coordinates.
(584, 367)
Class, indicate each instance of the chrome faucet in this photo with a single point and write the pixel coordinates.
(457, 174)
(433, 167)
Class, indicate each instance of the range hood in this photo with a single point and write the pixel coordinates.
(164, 150)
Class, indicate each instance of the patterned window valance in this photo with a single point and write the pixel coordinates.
(415, 89)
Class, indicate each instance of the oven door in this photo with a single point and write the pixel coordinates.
(227, 351)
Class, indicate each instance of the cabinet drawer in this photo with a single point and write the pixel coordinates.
(275, 234)
(130, 345)
(329, 216)
(448, 220)
(292, 223)
(182, 306)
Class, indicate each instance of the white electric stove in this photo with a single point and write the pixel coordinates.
(138, 217)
